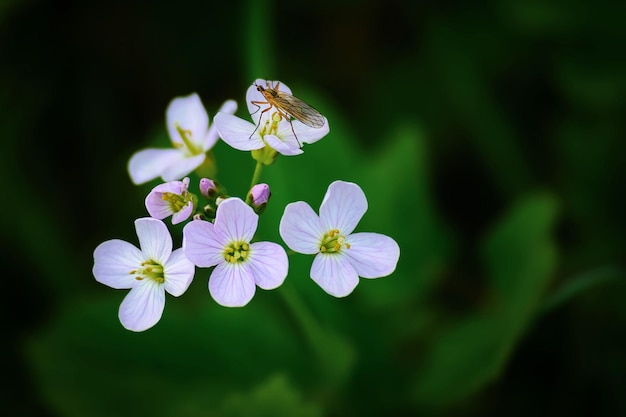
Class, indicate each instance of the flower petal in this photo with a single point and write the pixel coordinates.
(189, 114)
(178, 272)
(143, 307)
(236, 220)
(154, 238)
(301, 229)
(174, 187)
(228, 107)
(148, 164)
(182, 166)
(334, 274)
(252, 94)
(157, 207)
(202, 245)
(343, 206)
(232, 285)
(238, 133)
(308, 134)
(113, 261)
(183, 214)
(372, 255)
(269, 264)
(287, 146)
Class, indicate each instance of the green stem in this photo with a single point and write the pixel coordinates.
(259, 40)
(257, 174)
(307, 322)
(335, 355)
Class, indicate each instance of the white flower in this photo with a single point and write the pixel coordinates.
(341, 256)
(239, 265)
(188, 126)
(268, 128)
(148, 272)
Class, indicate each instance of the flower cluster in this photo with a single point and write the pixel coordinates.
(220, 229)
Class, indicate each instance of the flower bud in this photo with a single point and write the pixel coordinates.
(208, 188)
(258, 197)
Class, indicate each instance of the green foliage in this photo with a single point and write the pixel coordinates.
(272, 398)
(520, 259)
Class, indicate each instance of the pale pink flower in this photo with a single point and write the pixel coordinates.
(240, 266)
(340, 255)
(188, 126)
(148, 272)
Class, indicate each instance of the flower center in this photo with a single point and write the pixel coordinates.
(190, 148)
(333, 241)
(151, 270)
(271, 125)
(236, 252)
(176, 202)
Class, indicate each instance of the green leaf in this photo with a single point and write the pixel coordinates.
(520, 258)
(580, 283)
(396, 182)
(274, 397)
(86, 364)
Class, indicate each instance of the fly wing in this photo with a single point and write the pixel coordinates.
(299, 110)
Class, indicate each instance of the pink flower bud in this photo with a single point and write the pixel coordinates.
(258, 197)
(208, 187)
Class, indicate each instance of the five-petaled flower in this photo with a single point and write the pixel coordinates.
(240, 266)
(171, 199)
(148, 272)
(269, 127)
(188, 126)
(341, 256)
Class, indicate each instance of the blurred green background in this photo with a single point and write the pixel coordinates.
(488, 138)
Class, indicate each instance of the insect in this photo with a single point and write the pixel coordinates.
(287, 106)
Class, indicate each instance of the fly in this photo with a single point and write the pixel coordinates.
(288, 107)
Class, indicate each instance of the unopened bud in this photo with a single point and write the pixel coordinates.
(258, 197)
(208, 187)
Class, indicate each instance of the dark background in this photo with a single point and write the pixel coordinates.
(488, 137)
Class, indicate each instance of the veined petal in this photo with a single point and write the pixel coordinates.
(308, 134)
(157, 207)
(269, 264)
(143, 307)
(154, 238)
(183, 214)
(335, 274)
(372, 255)
(113, 262)
(252, 94)
(174, 187)
(148, 164)
(202, 245)
(189, 114)
(287, 146)
(236, 220)
(228, 107)
(237, 132)
(178, 272)
(301, 229)
(343, 206)
(232, 285)
(182, 166)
